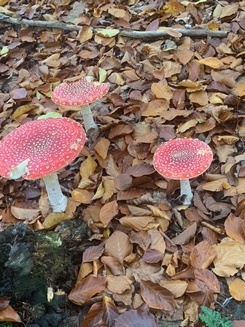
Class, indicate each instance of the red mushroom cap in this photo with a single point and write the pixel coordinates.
(42, 146)
(79, 93)
(182, 158)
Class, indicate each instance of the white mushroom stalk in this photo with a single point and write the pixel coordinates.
(88, 118)
(185, 192)
(57, 199)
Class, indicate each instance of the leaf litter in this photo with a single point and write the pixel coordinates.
(153, 259)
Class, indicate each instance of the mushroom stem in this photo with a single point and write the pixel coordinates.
(57, 199)
(185, 191)
(88, 119)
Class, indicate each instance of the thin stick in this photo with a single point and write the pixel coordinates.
(129, 34)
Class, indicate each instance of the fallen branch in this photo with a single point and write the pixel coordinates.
(162, 33)
(129, 34)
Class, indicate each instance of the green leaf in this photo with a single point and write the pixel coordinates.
(4, 50)
(107, 32)
(50, 115)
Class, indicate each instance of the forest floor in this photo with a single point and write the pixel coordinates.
(126, 252)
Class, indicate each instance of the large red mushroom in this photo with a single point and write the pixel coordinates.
(182, 159)
(79, 94)
(38, 149)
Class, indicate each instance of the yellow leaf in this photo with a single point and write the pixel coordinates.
(22, 110)
(240, 89)
(107, 32)
(54, 219)
(237, 289)
(3, 2)
(87, 167)
(211, 62)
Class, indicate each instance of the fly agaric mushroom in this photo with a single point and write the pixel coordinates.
(38, 149)
(182, 159)
(80, 94)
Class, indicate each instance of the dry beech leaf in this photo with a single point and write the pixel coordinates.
(86, 288)
(9, 314)
(93, 253)
(118, 284)
(240, 89)
(230, 257)
(206, 279)
(229, 10)
(102, 147)
(54, 218)
(176, 287)
(156, 296)
(237, 289)
(27, 214)
(211, 62)
(141, 238)
(136, 223)
(118, 245)
(81, 196)
(114, 265)
(87, 167)
(108, 212)
(202, 255)
(186, 235)
(141, 317)
(157, 212)
(234, 228)
(152, 256)
(162, 91)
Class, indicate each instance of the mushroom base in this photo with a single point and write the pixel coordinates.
(57, 199)
(185, 191)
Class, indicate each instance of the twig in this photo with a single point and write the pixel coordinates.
(129, 34)
(167, 32)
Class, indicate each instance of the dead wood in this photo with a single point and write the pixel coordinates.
(129, 34)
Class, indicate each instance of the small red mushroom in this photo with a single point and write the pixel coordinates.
(80, 94)
(38, 149)
(182, 159)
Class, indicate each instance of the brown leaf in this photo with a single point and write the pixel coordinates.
(237, 289)
(20, 93)
(108, 212)
(118, 245)
(102, 147)
(133, 318)
(9, 314)
(186, 235)
(114, 265)
(152, 256)
(142, 238)
(162, 91)
(93, 253)
(86, 288)
(176, 287)
(202, 255)
(234, 228)
(118, 284)
(140, 170)
(156, 297)
(206, 279)
(230, 257)
(136, 223)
